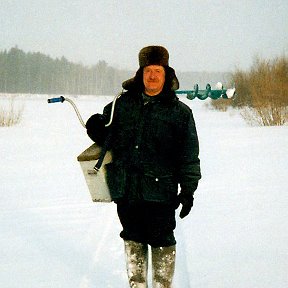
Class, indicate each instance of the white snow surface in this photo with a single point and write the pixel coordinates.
(53, 235)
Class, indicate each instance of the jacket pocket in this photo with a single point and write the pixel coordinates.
(158, 188)
(116, 180)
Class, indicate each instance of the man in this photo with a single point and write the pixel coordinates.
(154, 146)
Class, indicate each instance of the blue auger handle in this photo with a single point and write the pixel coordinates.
(55, 100)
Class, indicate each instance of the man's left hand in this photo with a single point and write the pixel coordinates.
(187, 204)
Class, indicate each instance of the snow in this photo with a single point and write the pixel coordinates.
(53, 235)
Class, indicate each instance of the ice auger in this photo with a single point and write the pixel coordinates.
(208, 92)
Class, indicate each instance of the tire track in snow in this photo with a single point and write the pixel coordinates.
(181, 271)
(88, 278)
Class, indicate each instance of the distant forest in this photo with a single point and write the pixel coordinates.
(37, 73)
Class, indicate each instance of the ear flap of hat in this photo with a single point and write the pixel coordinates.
(171, 79)
(135, 83)
(174, 84)
(128, 84)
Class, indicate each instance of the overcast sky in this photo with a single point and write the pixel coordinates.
(200, 35)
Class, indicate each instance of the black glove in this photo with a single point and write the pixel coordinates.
(186, 199)
(96, 128)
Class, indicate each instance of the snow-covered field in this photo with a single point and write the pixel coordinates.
(52, 235)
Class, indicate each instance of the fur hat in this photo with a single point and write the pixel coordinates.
(152, 55)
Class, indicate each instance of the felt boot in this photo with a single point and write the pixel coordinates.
(163, 266)
(136, 263)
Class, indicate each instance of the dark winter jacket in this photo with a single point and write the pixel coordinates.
(154, 148)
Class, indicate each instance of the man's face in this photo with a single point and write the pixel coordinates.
(153, 79)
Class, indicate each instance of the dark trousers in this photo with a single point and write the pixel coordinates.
(146, 222)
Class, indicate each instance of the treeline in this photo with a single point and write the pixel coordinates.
(36, 73)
